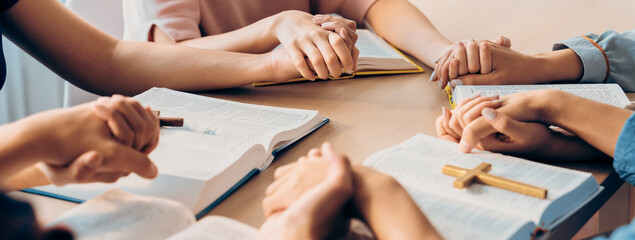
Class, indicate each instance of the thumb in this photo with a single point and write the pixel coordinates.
(339, 166)
(126, 159)
(504, 124)
(503, 41)
(475, 79)
(78, 171)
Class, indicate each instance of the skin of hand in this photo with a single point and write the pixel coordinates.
(403, 25)
(94, 61)
(300, 37)
(466, 57)
(73, 145)
(510, 67)
(347, 30)
(379, 199)
(129, 122)
(311, 203)
(517, 127)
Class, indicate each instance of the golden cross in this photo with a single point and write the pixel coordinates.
(465, 177)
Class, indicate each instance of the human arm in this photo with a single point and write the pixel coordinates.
(587, 58)
(387, 208)
(97, 62)
(379, 199)
(408, 29)
(72, 145)
(316, 211)
(534, 141)
(181, 22)
(597, 124)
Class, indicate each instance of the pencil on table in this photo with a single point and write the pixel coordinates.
(169, 121)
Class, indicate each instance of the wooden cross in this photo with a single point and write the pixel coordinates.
(465, 177)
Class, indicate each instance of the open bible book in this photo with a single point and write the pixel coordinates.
(376, 57)
(480, 211)
(611, 93)
(221, 145)
(120, 215)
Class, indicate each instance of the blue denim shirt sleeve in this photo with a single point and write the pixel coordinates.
(624, 156)
(620, 52)
(624, 164)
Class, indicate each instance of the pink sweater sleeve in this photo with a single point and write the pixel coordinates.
(179, 19)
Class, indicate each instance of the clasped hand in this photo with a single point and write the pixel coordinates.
(100, 141)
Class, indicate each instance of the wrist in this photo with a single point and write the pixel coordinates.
(559, 66)
(551, 105)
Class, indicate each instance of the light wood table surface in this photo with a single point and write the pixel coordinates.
(373, 113)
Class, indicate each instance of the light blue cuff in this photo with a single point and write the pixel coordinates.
(592, 58)
(624, 156)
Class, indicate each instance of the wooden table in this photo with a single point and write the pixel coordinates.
(370, 114)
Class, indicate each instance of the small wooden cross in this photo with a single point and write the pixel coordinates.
(465, 177)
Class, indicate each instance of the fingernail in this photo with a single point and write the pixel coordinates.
(498, 101)
(464, 147)
(495, 95)
(489, 113)
(456, 82)
(443, 112)
(471, 40)
(432, 76)
(440, 84)
(318, 18)
(460, 44)
(93, 161)
(327, 24)
(475, 95)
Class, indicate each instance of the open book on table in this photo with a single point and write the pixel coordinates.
(221, 145)
(480, 211)
(376, 57)
(120, 215)
(611, 93)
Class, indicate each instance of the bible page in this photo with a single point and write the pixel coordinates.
(120, 215)
(217, 228)
(448, 215)
(233, 121)
(417, 163)
(197, 155)
(611, 94)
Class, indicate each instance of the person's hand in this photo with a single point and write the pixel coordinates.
(326, 50)
(466, 57)
(307, 198)
(347, 30)
(75, 146)
(132, 124)
(516, 127)
(451, 123)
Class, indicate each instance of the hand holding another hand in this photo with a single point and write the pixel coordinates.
(306, 199)
(98, 142)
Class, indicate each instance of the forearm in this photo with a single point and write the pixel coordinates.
(558, 66)
(144, 65)
(408, 29)
(27, 178)
(596, 123)
(258, 37)
(388, 209)
(18, 149)
(564, 148)
(97, 62)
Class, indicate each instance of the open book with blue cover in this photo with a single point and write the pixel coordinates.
(221, 145)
